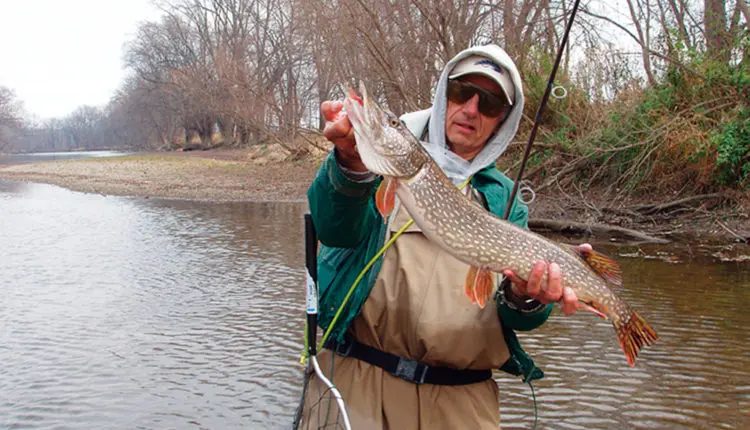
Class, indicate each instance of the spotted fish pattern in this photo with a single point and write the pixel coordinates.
(475, 236)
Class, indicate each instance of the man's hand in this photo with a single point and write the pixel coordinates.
(550, 293)
(338, 129)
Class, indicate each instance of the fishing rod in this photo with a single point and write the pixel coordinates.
(311, 254)
(311, 326)
(532, 136)
(540, 110)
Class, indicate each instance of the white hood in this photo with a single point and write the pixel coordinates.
(454, 166)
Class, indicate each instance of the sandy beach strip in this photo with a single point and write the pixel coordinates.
(217, 176)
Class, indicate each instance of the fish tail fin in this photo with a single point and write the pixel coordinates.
(633, 334)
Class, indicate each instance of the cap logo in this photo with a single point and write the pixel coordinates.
(489, 64)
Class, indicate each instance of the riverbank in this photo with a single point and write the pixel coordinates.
(220, 175)
(266, 174)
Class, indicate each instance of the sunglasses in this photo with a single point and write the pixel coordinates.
(490, 105)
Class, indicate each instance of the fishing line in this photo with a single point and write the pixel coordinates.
(540, 110)
(536, 411)
(311, 323)
(514, 192)
(367, 268)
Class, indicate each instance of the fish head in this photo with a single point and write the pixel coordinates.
(384, 143)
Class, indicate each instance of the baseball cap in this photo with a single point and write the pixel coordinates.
(476, 64)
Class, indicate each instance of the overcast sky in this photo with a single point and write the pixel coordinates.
(58, 55)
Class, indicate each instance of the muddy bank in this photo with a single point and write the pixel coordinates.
(267, 174)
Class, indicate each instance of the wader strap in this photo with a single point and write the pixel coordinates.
(404, 368)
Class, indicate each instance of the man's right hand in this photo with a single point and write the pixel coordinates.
(338, 129)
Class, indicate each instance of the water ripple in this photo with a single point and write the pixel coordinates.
(134, 313)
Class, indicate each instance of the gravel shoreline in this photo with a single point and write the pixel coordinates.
(221, 176)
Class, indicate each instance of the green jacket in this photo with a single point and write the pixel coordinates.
(352, 231)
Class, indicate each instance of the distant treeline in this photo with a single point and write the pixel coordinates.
(657, 90)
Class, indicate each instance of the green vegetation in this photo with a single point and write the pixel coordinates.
(690, 131)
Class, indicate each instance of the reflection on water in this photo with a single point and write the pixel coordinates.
(136, 313)
(147, 314)
(695, 376)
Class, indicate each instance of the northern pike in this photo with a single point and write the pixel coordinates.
(475, 236)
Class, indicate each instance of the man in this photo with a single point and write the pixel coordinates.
(411, 350)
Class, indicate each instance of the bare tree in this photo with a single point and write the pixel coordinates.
(10, 116)
(82, 127)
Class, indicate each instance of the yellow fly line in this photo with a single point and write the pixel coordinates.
(359, 278)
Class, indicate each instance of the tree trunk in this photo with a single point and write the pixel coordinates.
(643, 38)
(715, 20)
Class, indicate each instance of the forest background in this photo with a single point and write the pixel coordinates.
(657, 90)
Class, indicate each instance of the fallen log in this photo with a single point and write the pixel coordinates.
(652, 209)
(601, 230)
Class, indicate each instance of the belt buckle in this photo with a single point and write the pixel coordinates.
(407, 370)
(344, 349)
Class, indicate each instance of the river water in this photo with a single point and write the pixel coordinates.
(140, 313)
(35, 157)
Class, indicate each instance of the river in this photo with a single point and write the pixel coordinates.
(121, 312)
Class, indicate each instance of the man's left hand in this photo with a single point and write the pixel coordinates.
(553, 291)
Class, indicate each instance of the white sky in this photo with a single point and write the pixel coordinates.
(58, 55)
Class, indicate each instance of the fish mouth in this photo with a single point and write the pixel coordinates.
(369, 120)
(363, 113)
(358, 114)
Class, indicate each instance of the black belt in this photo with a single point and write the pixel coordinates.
(404, 368)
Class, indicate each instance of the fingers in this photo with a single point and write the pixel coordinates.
(330, 108)
(513, 277)
(569, 301)
(531, 287)
(338, 127)
(339, 130)
(585, 247)
(534, 283)
(337, 124)
(556, 293)
(551, 292)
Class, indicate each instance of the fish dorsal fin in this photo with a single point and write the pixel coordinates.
(600, 264)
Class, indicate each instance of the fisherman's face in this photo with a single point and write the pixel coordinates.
(466, 129)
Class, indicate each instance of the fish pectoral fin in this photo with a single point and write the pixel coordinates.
(593, 307)
(469, 285)
(478, 285)
(385, 197)
(602, 265)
